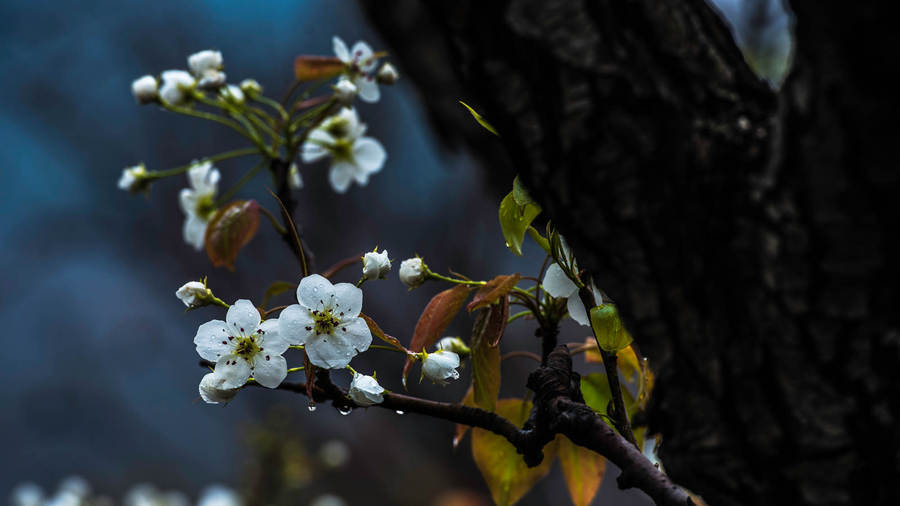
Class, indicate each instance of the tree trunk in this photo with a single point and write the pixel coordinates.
(748, 236)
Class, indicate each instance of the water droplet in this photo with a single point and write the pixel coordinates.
(345, 410)
(507, 244)
(311, 407)
(399, 412)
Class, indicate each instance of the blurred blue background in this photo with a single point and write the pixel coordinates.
(100, 372)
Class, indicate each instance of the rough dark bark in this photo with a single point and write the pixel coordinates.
(748, 236)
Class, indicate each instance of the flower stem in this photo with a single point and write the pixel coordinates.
(215, 158)
(281, 230)
(241, 182)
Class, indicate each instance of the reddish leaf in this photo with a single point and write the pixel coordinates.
(493, 290)
(461, 429)
(229, 230)
(582, 468)
(312, 68)
(486, 357)
(377, 332)
(436, 316)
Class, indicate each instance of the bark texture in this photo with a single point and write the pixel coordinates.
(747, 235)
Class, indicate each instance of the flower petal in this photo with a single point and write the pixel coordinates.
(270, 340)
(347, 301)
(340, 49)
(188, 200)
(243, 317)
(556, 283)
(269, 370)
(194, 231)
(356, 333)
(233, 370)
(293, 323)
(329, 351)
(362, 55)
(340, 175)
(369, 154)
(315, 292)
(577, 311)
(312, 152)
(367, 89)
(212, 340)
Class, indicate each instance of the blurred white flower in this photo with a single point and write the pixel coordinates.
(354, 157)
(250, 87)
(376, 265)
(328, 500)
(412, 272)
(75, 485)
(345, 91)
(191, 292)
(334, 453)
(440, 366)
(207, 68)
(211, 390)
(176, 87)
(232, 94)
(26, 494)
(219, 495)
(295, 180)
(145, 89)
(365, 390)
(198, 202)
(387, 74)
(361, 63)
(242, 346)
(557, 284)
(134, 179)
(326, 322)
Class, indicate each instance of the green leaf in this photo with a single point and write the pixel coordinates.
(277, 288)
(493, 290)
(506, 474)
(312, 68)
(608, 329)
(481, 121)
(229, 230)
(436, 316)
(582, 468)
(520, 193)
(515, 220)
(596, 393)
(486, 333)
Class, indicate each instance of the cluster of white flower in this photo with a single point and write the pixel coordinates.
(175, 87)
(75, 491)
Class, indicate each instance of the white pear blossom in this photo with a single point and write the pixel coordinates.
(145, 89)
(233, 94)
(207, 68)
(134, 179)
(326, 322)
(198, 202)
(354, 157)
(387, 74)
(176, 87)
(241, 346)
(211, 390)
(440, 366)
(250, 87)
(365, 390)
(557, 284)
(412, 272)
(191, 292)
(219, 495)
(295, 180)
(76, 486)
(376, 265)
(361, 63)
(345, 91)
(454, 344)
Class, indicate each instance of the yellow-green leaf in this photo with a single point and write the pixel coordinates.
(486, 331)
(595, 390)
(582, 468)
(481, 121)
(608, 329)
(311, 68)
(514, 221)
(229, 230)
(506, 474)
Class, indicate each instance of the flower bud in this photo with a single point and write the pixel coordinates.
(454, 344)
(365, 390)
(212, 392)
(387, 74)
(440, 366)
(134, 179)
(232, 94)
(295, 181)
(207, 68)
(376, 265)
(194, 294)
(145, 89)
(412, 272)
(176, 87)
(608, 329)
(345, 91)
(250, 87)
